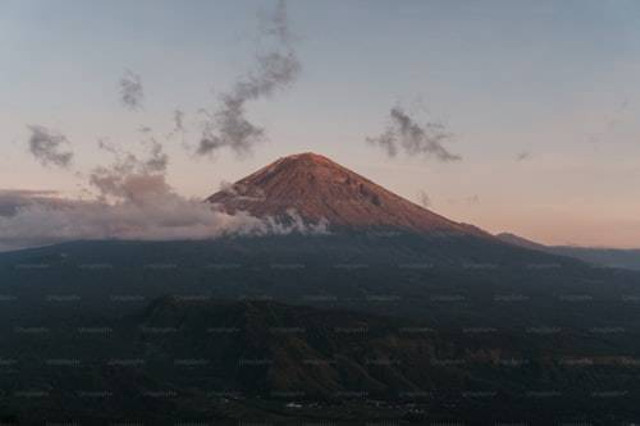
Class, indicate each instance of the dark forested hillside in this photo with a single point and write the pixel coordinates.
(353, 327)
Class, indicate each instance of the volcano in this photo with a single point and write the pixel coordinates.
(318, 190)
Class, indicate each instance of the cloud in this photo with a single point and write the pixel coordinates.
(48, 147)
(129, 177)
(133, 201)
(154, 213)
(473, 200)
(11, 200)
(470, 201)
(404, 134)
(178, 121)
(523, 156)
(132, 198)
(424, 199)
(160, 217)
(131, 90)
(612, 122)
(158, 159)
(242, 192)
(274, 70)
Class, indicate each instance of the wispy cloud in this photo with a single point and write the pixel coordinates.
(424, 199)
(131, 90)
(274, 70)
(406, 135)
(12, 200)
(49, 147)
(131, 196)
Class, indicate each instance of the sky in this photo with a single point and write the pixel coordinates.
(542, 98)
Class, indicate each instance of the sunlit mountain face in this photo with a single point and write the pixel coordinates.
(321, 191)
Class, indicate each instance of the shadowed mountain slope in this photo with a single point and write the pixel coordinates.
(610, 257)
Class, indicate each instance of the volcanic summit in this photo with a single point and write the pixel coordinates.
(318, 189)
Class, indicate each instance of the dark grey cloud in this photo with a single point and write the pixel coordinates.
(131, 90)
(275, 69)
(158, 160)
(178, 121)
(404, 134)
(49, 147)
(179, 128)
(523, 156)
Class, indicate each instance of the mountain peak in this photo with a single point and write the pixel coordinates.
(318, 189)
(307, 156)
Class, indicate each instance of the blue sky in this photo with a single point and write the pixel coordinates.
(557, 79)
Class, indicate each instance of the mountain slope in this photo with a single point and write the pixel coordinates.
(519, 241)
(318, 189)
(222, 361)
(614, 258)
